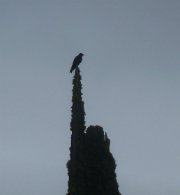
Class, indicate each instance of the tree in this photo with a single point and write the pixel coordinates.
(100, 165)
(91, 167)
(75, 164)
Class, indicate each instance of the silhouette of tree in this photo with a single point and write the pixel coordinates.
(75, 164)
(100, 165)
(91, 167)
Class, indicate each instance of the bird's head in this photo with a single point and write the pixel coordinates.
(81, 54)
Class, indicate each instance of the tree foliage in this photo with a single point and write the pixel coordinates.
(91, 167)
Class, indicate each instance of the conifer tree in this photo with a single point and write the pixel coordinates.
(91, 167)
(75, 164)
(100, 177)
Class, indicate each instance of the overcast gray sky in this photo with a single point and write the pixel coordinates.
(130, 76)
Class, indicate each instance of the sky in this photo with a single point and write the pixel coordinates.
(130, 77)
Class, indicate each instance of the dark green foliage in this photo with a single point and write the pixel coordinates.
(77, 121)
(100, 165)
(78, 114)
(75, 165)
(91, 167)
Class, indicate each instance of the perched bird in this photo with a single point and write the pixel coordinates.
(76, 62)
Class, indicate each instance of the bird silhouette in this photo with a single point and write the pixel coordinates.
(76, 62)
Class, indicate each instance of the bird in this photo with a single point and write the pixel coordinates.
(77, 60)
